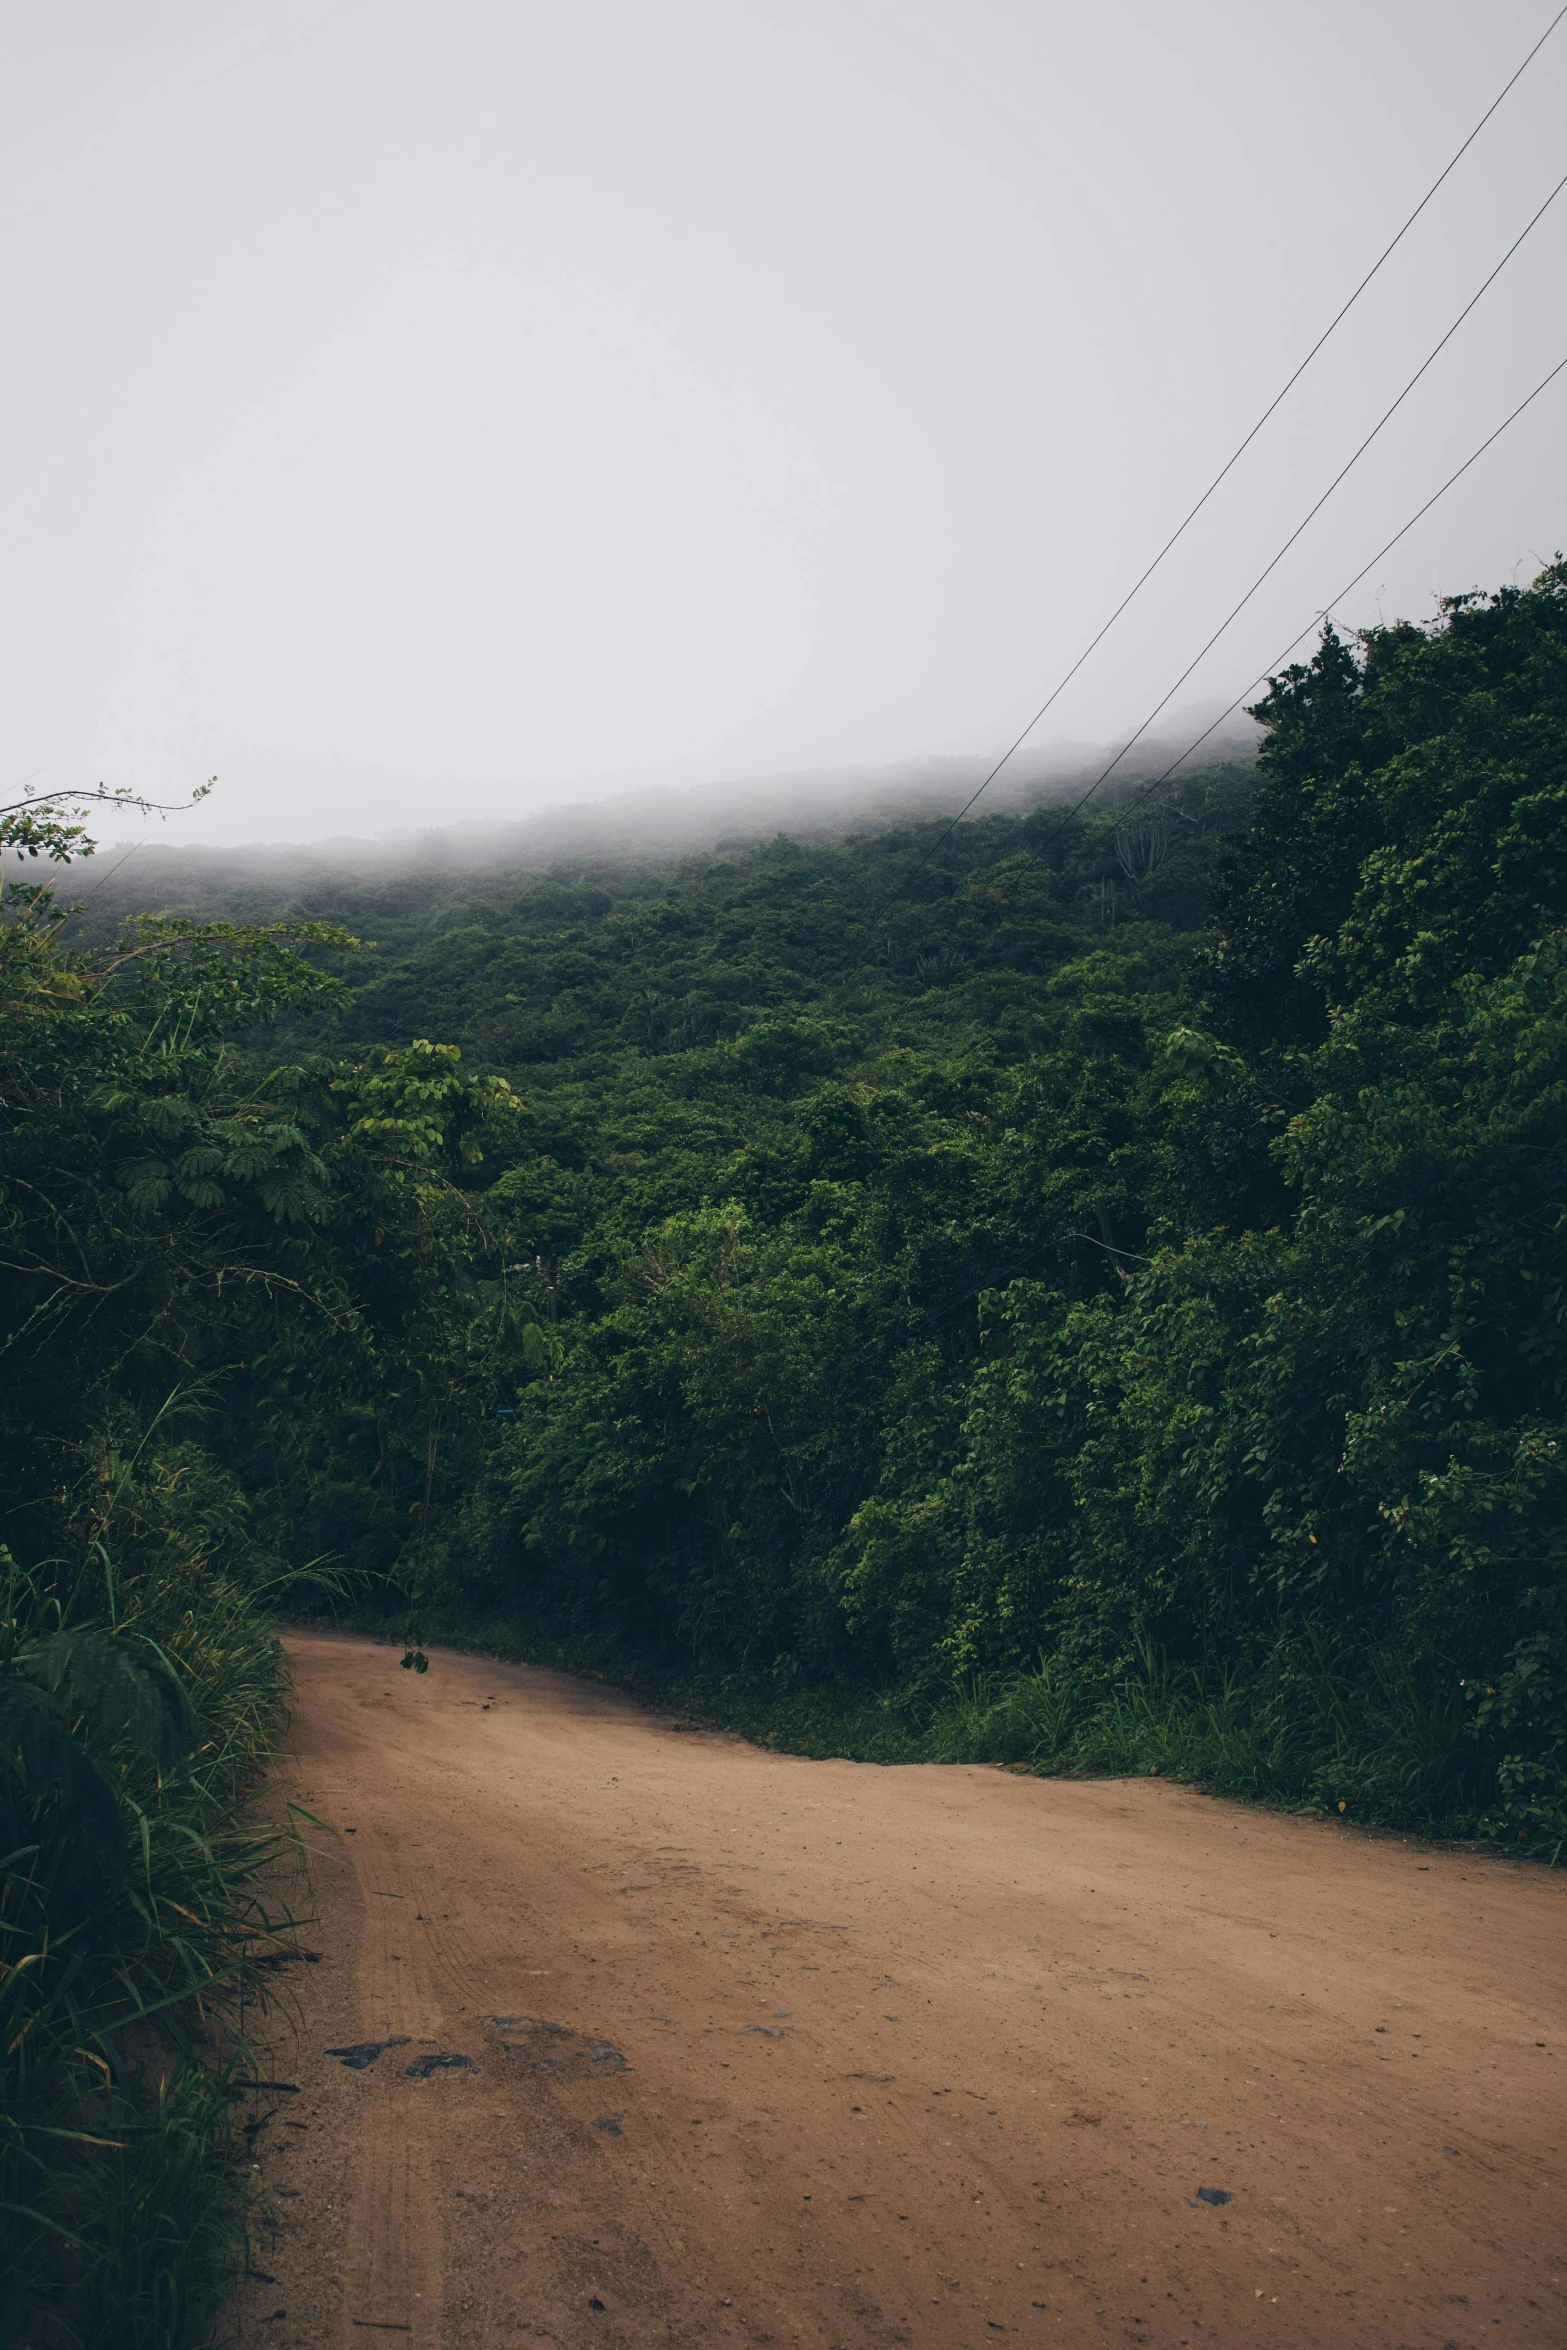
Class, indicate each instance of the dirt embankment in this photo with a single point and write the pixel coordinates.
(622, 2034)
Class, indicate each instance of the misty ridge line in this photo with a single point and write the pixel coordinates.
(657, 822)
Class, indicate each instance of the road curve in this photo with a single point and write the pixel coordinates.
(659, 2038)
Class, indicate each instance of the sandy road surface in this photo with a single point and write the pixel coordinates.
(760, 2050)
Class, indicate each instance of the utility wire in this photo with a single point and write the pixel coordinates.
(1269, 568)
(1385, 418)
(118, 866)
(1239, 452)
(1265, 676)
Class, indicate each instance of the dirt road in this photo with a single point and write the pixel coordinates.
(655, 2038)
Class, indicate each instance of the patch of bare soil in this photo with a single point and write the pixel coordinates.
(624, 2035)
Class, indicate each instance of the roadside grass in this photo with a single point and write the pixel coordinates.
(136, 1718)
(1383, 1746)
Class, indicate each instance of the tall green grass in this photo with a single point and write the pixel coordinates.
(136, 1712)
(1385, 1743)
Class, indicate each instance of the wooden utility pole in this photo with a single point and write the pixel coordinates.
(552, 1276)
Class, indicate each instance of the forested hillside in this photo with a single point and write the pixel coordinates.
(1085, 1292)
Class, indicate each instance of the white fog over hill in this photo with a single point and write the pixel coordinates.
(657, 823)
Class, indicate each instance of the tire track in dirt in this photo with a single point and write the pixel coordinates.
(703, 2044)
(392, 2264)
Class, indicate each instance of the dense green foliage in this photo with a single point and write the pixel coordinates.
(132, 1719)
(1088, 1292)
(1007, 1276)
(194, 1245)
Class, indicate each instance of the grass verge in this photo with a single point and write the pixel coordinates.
(133, 1724)
(1382, 1747)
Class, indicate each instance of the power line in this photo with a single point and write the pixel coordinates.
(1272, 668)
(1270, 567)
(1236, 455)
(117, 867)
(1385, 418)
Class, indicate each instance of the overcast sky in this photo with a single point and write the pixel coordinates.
(417, 409)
